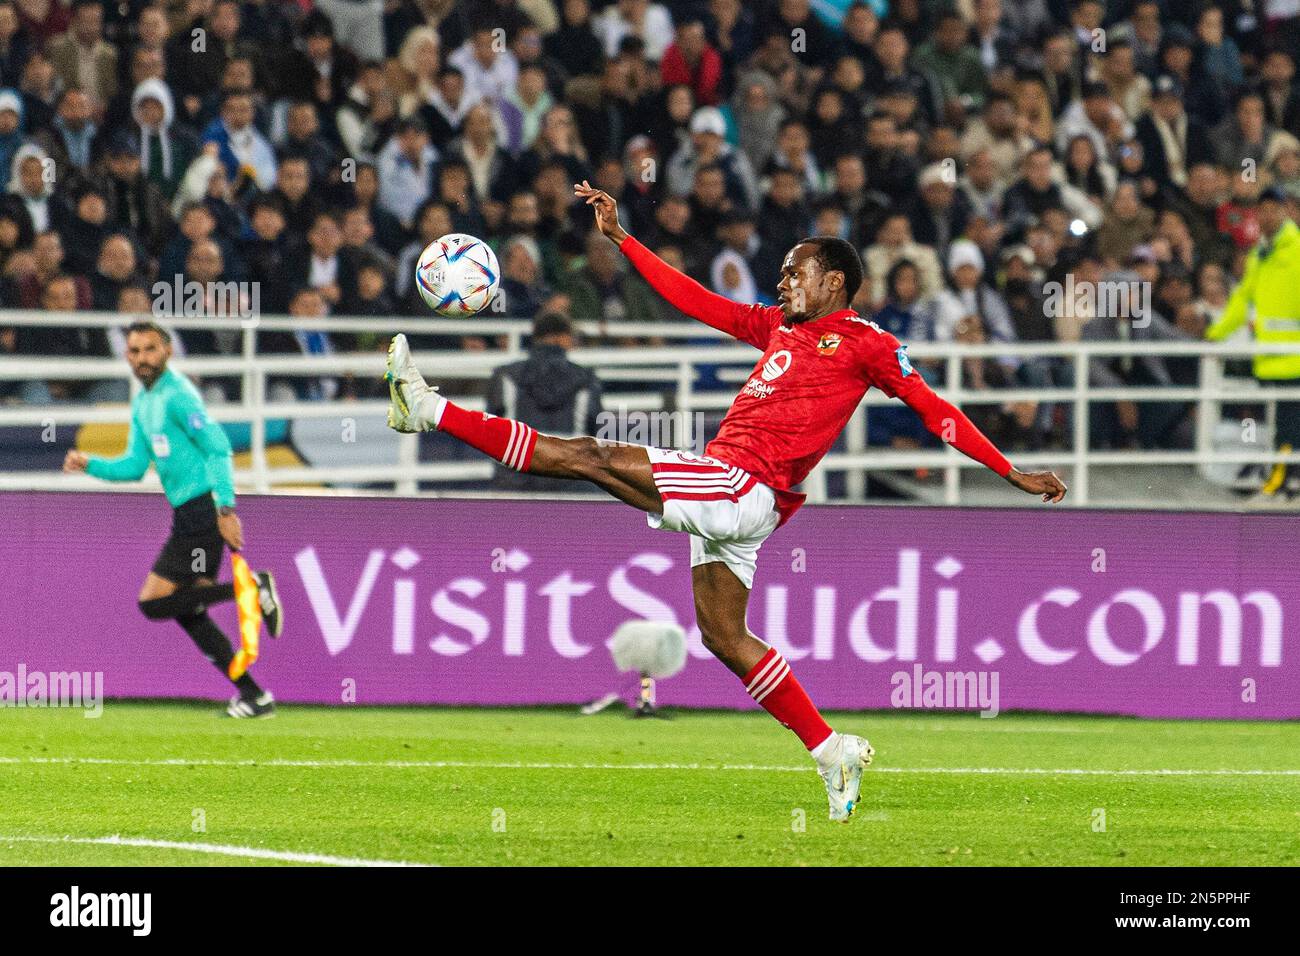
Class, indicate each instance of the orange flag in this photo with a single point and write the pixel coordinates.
(250, 617)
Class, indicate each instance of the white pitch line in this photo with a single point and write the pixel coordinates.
(763, 768)
(248, 852)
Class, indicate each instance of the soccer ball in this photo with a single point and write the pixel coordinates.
(457, 275)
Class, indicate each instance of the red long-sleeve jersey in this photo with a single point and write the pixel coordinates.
(811, 378)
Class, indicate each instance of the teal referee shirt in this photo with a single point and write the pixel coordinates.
(170, 427)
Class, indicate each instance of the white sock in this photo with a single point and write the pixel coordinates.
(818, 751)
(429, 410)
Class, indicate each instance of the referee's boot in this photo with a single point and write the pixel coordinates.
(255, 707)
(268, 602)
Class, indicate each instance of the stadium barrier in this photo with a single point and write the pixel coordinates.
(503, 602)
(693, 376)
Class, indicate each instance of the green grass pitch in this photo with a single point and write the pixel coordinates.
(455, 786)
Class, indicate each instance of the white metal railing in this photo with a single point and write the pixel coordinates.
(673, 368)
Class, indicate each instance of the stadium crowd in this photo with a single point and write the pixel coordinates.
(974, 151)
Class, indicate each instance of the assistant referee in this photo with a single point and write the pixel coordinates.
(171, 428)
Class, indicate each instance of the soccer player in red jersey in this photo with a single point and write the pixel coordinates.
(819, 359)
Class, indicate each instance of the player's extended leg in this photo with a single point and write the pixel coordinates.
(192, 616)
(622, 470)
(721, 600)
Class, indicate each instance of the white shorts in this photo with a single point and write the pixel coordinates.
(727, 511)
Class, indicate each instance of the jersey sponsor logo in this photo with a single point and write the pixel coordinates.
(776, 366)
(828, 343)
(757, 389)
(904, 363)
(161, 446)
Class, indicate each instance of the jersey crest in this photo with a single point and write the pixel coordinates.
(828, 343)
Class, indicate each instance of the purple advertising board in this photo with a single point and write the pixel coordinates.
(478, 601)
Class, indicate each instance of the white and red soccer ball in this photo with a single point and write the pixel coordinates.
(457, 275)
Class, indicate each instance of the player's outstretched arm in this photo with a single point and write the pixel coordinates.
(744, 322)
(950, 424)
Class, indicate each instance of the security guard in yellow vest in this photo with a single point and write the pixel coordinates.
(1271, 282)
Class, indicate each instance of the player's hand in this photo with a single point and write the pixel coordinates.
(1043, 483)
(606, 210)
(232, 532)
(75, 461)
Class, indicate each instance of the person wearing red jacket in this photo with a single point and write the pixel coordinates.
(819, 358)
(692, 61)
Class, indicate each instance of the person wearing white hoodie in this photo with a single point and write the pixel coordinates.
(166, 150)
(31, 179)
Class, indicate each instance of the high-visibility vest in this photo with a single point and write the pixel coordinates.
(1272, 284)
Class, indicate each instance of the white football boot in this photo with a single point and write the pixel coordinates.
(413, 403)
(841, 768)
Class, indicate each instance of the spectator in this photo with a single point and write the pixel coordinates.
(303, 137)
(1127, 223)
(938, 214)
(359, 241)
(244, 152)
(648, 22)
(367, 117)
(166, 149)
(266, 253)
(708, 146)
(1281, 95)
(900, 316)
(691, 60)
(405, 167)
(893, 244)
(70, 137)
(1126, 424)
(603, 290)
(548, 392)
(139, 205)
(115, 270)
(574, 44)
(15, 45)
(489, 68)
(523, 108)
(320, 266)
(307, 304)
(963, 83)
(756, 112)
(194, 70)
(492, 172)
(735, 269)
(1038, 190)
(82, 57)
(523, 287)
(558, 142)
(443, 113)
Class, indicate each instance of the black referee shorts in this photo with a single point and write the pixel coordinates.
(194, 547)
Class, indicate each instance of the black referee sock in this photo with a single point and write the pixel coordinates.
(216, 648)
(186, 601)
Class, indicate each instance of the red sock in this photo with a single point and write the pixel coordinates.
(772, 685)
(508, 441)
